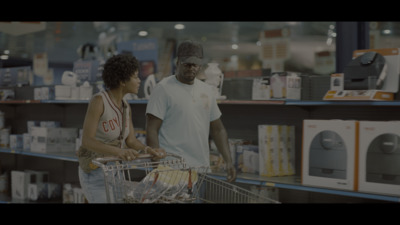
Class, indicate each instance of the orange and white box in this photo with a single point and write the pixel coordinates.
(379, 157)
(329, 151)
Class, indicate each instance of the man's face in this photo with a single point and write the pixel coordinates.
(187, 72)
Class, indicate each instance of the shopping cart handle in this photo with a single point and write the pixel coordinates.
(103, 160)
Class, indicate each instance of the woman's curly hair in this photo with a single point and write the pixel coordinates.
(119, 68)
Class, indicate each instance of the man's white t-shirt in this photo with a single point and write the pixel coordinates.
(186, 111)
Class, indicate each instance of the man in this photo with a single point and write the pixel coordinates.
(182, 112)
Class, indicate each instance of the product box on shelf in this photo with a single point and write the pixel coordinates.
(247, 159)
(19, 184)
(37, 190)
(45, 139)
(44, 93)
(16, 141)
(329, 153)
(287, 149)
(217, 162)
(314, 87)
(286, 85)
(53, 139)
(87, 70)
(276, 150)
(26, 139)
(379, 157)
(261, 89)
(66, 92)
(49, 123)
(68, 137)
(15, 76)
(337, 82)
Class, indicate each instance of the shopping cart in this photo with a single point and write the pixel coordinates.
(168, 180)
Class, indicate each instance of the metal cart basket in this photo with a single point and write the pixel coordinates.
(168, 181)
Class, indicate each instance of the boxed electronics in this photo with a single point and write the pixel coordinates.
(261, 88)
(87, 70)
(285, 85)
(16, 141)
(44, 93)
(276, 150)
(68, 137)
(15, 76)
(53, 139)
(37, 190)
(329, 153)
(379, 157)
(373, 74)
(19, 184)
(314, 87)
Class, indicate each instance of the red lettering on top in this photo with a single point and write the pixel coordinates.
(104, 127)
(110, 122)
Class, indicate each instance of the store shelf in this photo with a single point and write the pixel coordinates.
(230, 102)
(19, 101)
(294, 183)
(252, 102)
(287, 182)
(66, 156)
(338, 103)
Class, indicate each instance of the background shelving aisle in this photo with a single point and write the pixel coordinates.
(254, 112)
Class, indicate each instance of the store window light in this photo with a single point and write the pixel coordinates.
(4, 57)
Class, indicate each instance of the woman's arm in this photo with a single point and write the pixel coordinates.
(90, 124)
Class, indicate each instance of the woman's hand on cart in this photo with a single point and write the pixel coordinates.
(127, 154)
(157, 153)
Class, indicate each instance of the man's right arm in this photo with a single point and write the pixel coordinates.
(153, 125)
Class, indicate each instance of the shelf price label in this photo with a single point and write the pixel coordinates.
(269, 184)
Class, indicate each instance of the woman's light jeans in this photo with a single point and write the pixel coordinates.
(93, 185)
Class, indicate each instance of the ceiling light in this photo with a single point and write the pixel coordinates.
(235, 46)
(179, 26)
(143, 33)
(4, 57)
(387, 31)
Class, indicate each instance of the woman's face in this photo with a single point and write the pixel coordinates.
(133, 84)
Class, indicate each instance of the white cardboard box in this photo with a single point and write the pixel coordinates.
(286, 85)
(19, 184)
(329, 151)
(379, 157)
(45, 139)
(276, 150)
(68, 137)
(268, 148)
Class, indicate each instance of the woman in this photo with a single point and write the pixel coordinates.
(108, 129)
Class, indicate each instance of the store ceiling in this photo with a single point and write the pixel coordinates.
(61, 39)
